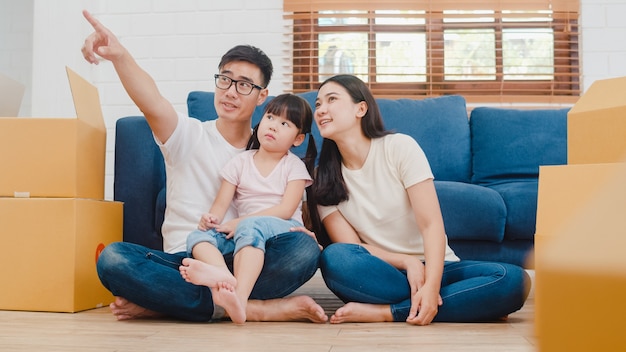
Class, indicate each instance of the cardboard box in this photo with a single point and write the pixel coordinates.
(50, 247)
(596, 124)
(580, 275)
(56, 157)
(564, 189)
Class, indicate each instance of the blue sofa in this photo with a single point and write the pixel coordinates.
(486, 169)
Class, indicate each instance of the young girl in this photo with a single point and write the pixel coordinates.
(390, 260)
(266, 184)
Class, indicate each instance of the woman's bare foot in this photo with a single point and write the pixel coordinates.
(224, 295)
(123, 309)
(200, 273)
(361, 313)
(295, 308)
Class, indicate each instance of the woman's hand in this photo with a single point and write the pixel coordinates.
(424, 306)
(306, 231)
(425, 301)
(415, 273)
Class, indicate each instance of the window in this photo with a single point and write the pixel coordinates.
(525, 50)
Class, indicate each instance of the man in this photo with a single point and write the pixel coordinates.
(147, 283)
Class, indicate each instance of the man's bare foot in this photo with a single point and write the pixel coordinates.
(295, 308)
(200, 273)
(124, 309)
(361, 313)
(224, 296)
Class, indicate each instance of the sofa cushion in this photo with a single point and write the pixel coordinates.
(139, 171)
(471, 212)
(520, 198)
(509, 144)
(441, 128)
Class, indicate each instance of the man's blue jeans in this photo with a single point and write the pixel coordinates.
(472, 291)
(150, 278)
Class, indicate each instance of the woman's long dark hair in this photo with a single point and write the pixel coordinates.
(298, 111)
(329, 187)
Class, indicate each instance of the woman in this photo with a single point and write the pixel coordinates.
(376, 199)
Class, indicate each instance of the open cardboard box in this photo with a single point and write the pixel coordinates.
(596, 124)
(56, 157)
(51, 246)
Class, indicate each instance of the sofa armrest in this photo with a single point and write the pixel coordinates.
(139, 177)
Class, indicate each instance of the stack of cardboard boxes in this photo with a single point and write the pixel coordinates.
(580, 243)
(54, 221)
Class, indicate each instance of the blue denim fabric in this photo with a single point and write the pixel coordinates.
(256, 230)
(252, 231)
(472, 291)
(150, 278)
(217, 239)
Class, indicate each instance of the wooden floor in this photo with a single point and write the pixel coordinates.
(97, 330)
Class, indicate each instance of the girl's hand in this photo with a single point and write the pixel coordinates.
(228, 228)
(208, 221)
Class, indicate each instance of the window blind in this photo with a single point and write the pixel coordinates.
(488, 51)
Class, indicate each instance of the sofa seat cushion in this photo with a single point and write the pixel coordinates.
(509, 144)
(520, 198)
(440, 126)
(514, 252)
(471, 212)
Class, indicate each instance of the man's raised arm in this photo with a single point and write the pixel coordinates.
(141, 88)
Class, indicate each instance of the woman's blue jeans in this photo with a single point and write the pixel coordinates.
(151, 279)
(472, 291)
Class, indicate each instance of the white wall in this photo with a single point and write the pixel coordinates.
(603, 45)
(16, 45)
(180, 42)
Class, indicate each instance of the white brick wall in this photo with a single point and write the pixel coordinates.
(604, 49)
(180, 42)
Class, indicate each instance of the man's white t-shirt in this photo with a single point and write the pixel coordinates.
(194, 155)
(378, 207)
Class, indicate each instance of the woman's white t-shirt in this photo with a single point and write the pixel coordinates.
(378, 207)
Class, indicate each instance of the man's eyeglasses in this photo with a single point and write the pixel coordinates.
(242, 87)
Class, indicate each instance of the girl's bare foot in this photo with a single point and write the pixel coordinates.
(200, 273)
(361, 313)
(224, 296)
(294, 308)
(123, 309)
